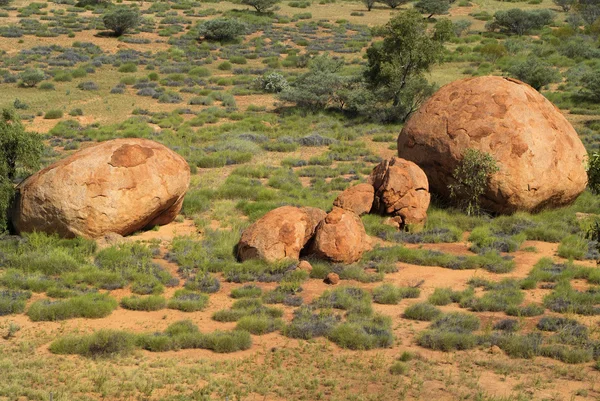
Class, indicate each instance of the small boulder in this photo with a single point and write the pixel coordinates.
(332, 278)
(402, 190)
(340, 237)
(358, 199)
(119, 186)
(304, 265)
(279, 234)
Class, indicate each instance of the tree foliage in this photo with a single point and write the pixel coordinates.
(471, 177)
(394, 3)
(519, 21)
(31, 77)
(536, 72)
(18, 149)
(593, 171)
(565, 5)
(261, 6)
(317, 89)
(432, 7)
(221, 29)
(121, 19)
(407, 50)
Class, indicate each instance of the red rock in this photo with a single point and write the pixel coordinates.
(119, 186)
(540, 156)
(402, 190)
(332, 278)
(340, 237)
(358, 199)
(279, 234)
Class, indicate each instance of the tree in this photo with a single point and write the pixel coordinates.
(318, 88)
(261, 6)
(535, 72)
(4, 2)
(407, 50)
(432, 7)
(493, 51)
(565, 5)
(443, 30)
(31, 77)
(519, 21)
(589, 10)
(593, 172)
(369, 4)
(221, 29)
(18, 149)
(590, 81)
(121, 19)
(394, 3)
(471, 178)
(461, 26)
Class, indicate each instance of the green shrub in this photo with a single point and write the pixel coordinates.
(306, 324)
(363, 334)
(53, 114)
(188, 301)
(446, 340)
(422, 311)
(247, 291)
(259, 324)
(456, 322)
(150, 303)
(399, 368)
(121, 19)
(91, 306)
(13, 302)
(128, 67)
(573, 247)
(525, 311)
(102, 343)
(225, 66)
(390, 294)
(31, 77)
(445, 296)
(221, 29)
(472, 176)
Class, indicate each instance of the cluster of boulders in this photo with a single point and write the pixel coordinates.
(396, 187)
(119, 186)
(125, 185)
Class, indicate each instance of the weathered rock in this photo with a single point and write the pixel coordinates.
(340, 237)
(402, 190)
(279, 234)
(332, 278)
(304, 265)
(540, 156)
(358, 199)
(118, 186)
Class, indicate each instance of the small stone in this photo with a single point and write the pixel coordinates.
(332, 278)
(305, 266)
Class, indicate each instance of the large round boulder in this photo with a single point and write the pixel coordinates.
(358, 199)
(402, 190)
(539, 155)
(280, 234)
(118, 186)
(340, 237)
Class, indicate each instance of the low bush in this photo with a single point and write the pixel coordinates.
(188, 301)
(91, 306)
(12, 302)
(456, 322)
(53, 114)
(422, 311)
(246, 291)
(399, 368)
(446, 340)
(390, 294)
(103, 343)
(149, 303)
(361, 333)
(307, 324)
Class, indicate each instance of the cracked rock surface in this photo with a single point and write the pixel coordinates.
(340, 237)
(402, 190)
(118, 186)
(540, 156)
(280, 234)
